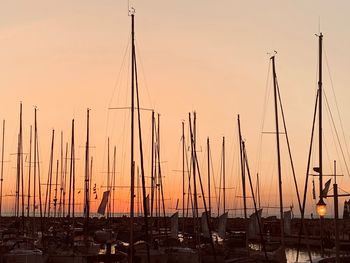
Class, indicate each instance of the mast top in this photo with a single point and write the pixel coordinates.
(272, 54)
(132, 11)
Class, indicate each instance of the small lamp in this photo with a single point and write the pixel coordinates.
(321, 208)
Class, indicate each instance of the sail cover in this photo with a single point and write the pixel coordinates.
(287, 219)
(222, 225)
(253, 229)
(204, 222)
(102, 207)
(174, 229)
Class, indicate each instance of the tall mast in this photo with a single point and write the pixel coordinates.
(320, 38)
(29, 171)
(49, 179)
(87, 174)
(278, 150)
(70, 174)
(183, 177)
(71, 192)
(223, 173)
(152, 165)
(18, 176)
(73, 172)
(65, 182)
(2, 164)
(56, 183)
(108, 180)
(21, 166)
(62, 177)
(258, 189)
(113, 179)
(194, 170)
(242, 168)
(132, 172)
(193, 151)
(35, 157)
(208, 157)
(39, 177)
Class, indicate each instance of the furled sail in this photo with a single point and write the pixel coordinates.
(102, 207)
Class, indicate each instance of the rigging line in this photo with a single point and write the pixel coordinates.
(126, 98)
(288, 145)
(118, 79)
(336, 132)
(143, 73)
(344, 190)
(302, 225)
(116, 84)
(336, 104)
(266, 99)
(125, 116)
(330, 163)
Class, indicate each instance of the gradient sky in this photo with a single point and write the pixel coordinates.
(208, 56)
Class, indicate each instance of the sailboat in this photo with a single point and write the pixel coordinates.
(321, 206)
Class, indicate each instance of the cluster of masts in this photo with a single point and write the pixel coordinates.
(30, 202)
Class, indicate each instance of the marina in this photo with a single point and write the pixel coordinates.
(147, 193)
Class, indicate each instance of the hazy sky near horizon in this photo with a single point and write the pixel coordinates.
(207, 56)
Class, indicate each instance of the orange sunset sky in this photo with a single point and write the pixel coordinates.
(208, 56)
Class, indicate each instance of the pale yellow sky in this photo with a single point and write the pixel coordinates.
(208, 56)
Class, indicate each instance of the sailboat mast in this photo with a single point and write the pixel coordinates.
(195, 216)
(34, 161)
(87, 174)
(242, 168)
(183, 177)
(71, 198)
(132, 172)
(18, 165)
(152, 165)
(39, 178)
(49, 179)
(113, 179)
(108, 180)
(208, 160)
(55, 197)
(21, 166)
(70, 190)
(320, 39)
(278, 149)
(29, 170)
(223, 173)
(2, 164)
(62, 177)
(65, 182)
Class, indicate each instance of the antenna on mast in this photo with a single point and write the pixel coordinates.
(272, 54)
(131, 11)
